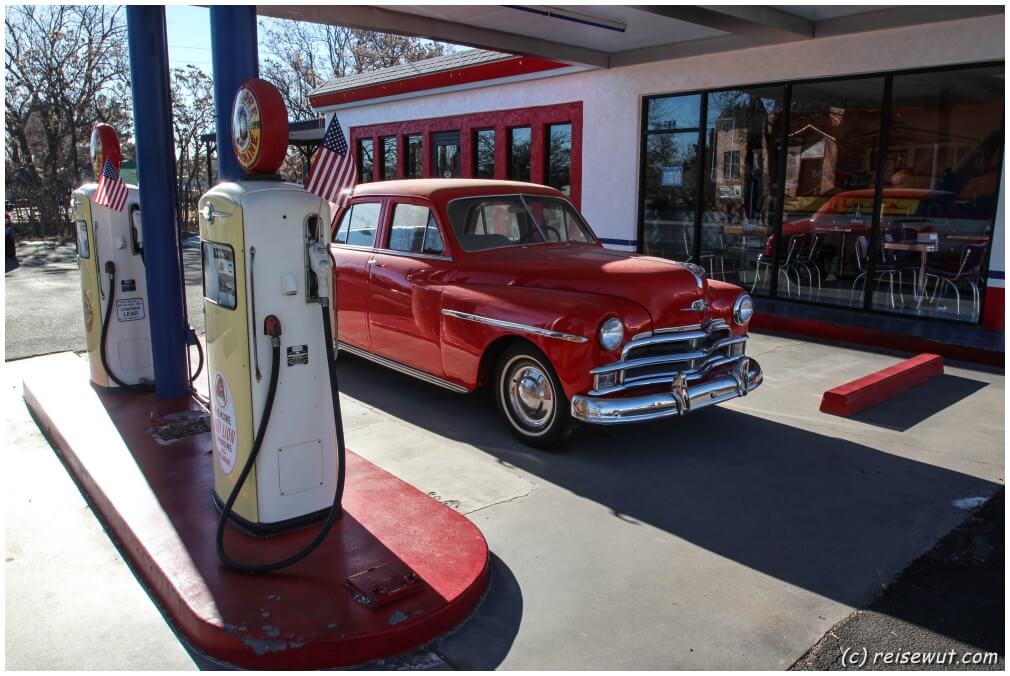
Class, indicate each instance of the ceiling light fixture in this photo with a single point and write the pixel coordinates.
(575, 17)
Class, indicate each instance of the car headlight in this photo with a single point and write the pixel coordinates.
(611, 333)
(743, 309)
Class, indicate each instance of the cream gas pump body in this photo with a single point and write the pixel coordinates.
(105, 235)
(254, 239)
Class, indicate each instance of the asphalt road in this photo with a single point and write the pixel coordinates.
(43, 300)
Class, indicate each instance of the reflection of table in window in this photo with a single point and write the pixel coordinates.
(924, 249)
(839, 230)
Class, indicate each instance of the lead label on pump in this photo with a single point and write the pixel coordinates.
(298, 354)
(130, 309)
(225, 426)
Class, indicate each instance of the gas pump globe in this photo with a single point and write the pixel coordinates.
(276, 432)
(111, 261)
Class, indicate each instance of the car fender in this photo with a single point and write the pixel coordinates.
(475, 317)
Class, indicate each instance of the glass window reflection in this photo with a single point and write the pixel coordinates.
(941, 179)
(743, 135)
(830, 173)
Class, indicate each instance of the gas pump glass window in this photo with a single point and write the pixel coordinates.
(414, 230)
(359, 225)
(83, 249)
(219, 285)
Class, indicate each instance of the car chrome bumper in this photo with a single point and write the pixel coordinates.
(744, 376)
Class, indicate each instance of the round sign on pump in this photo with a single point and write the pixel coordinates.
(105, 146)
(259, 127)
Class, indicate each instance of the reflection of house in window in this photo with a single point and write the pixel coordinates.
(731, 164)
(810, 165)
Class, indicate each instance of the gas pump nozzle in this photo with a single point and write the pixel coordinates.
(318, 255)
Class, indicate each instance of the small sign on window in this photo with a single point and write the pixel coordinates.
(672, 177)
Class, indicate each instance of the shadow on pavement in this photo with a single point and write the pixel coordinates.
(832, 516)
(920, 403)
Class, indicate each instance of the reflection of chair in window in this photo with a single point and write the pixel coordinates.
(969, 269)
(807, 260)
(787, 264)
(883, 267)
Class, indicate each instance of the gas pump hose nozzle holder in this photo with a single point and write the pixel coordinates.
(272, 328)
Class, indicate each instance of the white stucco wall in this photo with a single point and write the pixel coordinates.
(612, 98)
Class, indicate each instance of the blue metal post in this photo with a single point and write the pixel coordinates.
(235, 55)
(152, 118)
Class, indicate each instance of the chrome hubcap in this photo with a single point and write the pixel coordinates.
(530, 395)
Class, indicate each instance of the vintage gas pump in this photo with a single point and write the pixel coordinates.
(277, 434)
(113, 286)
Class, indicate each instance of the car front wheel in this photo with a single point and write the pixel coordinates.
(530, 397)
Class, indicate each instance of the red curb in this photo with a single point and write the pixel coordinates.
(155, 499)
(857, 395)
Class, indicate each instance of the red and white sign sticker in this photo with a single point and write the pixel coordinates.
(225, 425)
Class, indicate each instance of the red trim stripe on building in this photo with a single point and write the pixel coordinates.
(495, 70)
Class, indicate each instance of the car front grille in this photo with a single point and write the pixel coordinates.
(655, 358)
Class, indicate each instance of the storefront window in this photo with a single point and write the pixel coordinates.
(674, 112)
(831, 172)
(671, 179)
(483, 153)
(415, 160)
(941, 178)
(742, 137)
(519, 154)
(388, 158)
(446, 158)
(919, 245)
(559, 157)
(366, 161)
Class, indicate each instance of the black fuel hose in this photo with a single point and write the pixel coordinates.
(335, 508)
(199, 364)
(110, 269)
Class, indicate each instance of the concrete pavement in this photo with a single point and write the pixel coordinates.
(43, 299)
(733, 538)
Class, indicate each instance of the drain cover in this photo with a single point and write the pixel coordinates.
(384, 583)
(181, 429)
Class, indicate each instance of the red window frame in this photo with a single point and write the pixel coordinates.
(538, 118)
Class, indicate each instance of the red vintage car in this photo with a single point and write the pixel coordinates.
(465, 283)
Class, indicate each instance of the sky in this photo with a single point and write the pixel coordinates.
(188, 31)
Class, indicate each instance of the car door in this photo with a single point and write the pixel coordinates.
(405, 287)
(352, 247)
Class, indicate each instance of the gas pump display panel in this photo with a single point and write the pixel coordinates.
(219, 274)
(83, 249)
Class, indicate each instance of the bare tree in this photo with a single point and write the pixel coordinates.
(299, 57)
(66, 68)
(192, 114)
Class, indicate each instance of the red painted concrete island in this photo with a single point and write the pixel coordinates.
(426, 565)
(857, 395)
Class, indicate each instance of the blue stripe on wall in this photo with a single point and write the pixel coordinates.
(622, 242)
(993, 274)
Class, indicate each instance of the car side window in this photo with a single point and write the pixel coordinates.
(359, 224)
(433, 243)
(414, 230)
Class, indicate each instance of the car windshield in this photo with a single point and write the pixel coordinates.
(515, 220)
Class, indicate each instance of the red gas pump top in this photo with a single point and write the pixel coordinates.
(104, 146)
(259, 127)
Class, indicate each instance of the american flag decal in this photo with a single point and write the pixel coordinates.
(112, 190)
(333, 168)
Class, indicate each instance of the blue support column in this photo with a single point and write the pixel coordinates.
(235, 55)
(152, 118)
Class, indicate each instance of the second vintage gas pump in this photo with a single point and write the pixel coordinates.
(111, 261)
(276, 430)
